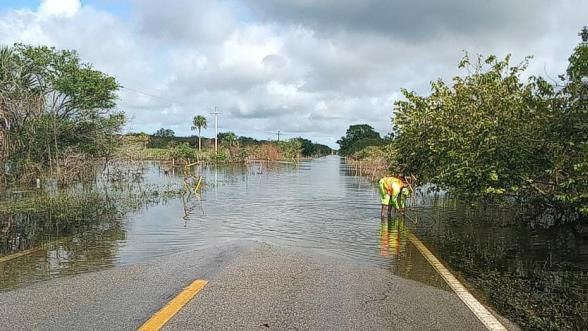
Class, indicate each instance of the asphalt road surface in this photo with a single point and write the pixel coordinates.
(250, 286)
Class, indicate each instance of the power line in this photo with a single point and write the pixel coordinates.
(280, 134)
(153, 96)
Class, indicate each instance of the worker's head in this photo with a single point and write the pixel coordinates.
(405, 192)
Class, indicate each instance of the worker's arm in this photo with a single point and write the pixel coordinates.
(394, 201)
(401, 201)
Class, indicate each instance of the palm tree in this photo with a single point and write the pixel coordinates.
(199, 122)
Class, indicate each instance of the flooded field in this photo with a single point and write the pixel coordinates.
(534, 277)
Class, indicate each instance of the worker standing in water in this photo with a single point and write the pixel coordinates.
(393, 193)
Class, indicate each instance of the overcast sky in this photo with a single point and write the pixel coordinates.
(305, 67)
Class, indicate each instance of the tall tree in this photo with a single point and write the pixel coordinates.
(484, 134)
(570, 131)
(53, 107)
(578, 66)
(199, 123)
(490, 133)
(357, 137)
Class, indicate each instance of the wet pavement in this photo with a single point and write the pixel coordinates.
(251, 285)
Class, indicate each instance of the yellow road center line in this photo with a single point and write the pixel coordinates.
(475, 306)
(158, 320)
(19, 254)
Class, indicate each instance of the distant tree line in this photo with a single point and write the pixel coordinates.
(165, 138)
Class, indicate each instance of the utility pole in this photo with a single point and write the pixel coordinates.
(278, 135)
(215, 113)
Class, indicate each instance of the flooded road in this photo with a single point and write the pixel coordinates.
(318, 205)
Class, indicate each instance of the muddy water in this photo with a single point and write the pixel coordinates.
(318, 205)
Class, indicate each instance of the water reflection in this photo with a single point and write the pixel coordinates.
(60, 249)
(392, 236)
(532, 275)
(404, 258)
(53, 232)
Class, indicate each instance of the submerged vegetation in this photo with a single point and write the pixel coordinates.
(232, 148)
(33, 212)
(492, 135)
(532, 276)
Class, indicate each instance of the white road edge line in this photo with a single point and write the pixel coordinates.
(475, 306)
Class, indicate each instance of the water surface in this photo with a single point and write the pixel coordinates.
(533, 276)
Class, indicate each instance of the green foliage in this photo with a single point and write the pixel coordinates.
(155, 154)
(82, 90)
(229, 139)
(62, 207)
(322, 150)
(578, 63)
(165, 142)
(308, 148)
(358, 137)
(164, 133)
(199, 122)
(141, 138)
(370, 153)
(312, 149)
(223, 155)
(53, 108)
(570, 134)
(490, 133)
(376, 161)
(233, 148)
(569, 147)
(247, 141)
(183, 151)
(86, 205)
(163, 138)
(363, 143)
(290, 149)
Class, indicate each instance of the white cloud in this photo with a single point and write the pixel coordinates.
(275, 68)
(64, 8)
(184, 21)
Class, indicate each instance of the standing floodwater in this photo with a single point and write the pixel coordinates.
(319, 205)
(316, 204)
